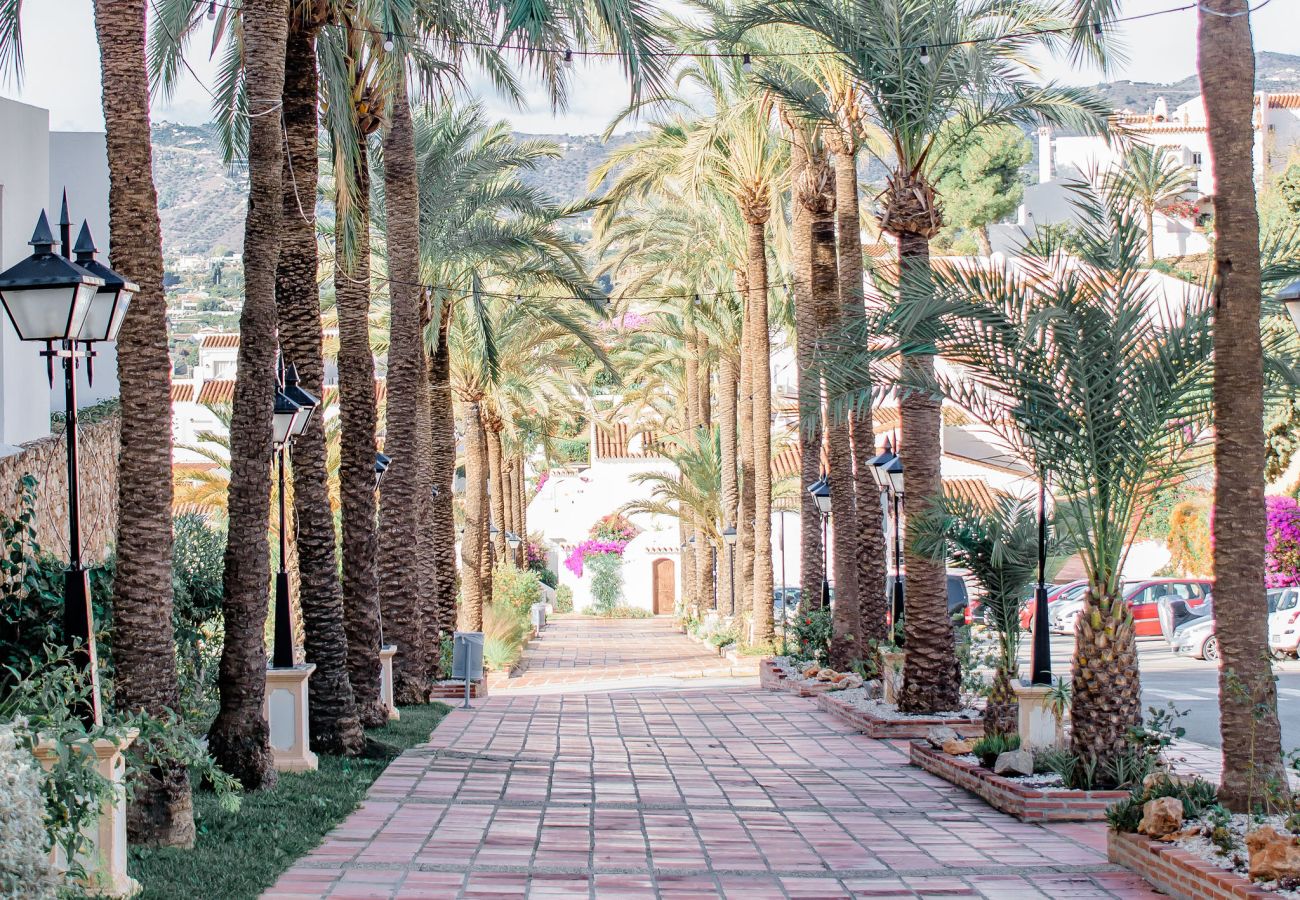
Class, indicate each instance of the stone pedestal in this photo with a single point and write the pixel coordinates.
(104, 856)
(891, 675)
(1039, 726)
(285, 709)
(386, 654)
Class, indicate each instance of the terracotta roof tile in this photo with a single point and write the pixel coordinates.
(222, 341)
(216, 391)
(614, 441)
(973, 490)
(182, 391)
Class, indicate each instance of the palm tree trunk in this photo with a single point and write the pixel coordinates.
(399, 585)
(816, 193)
(358, 417)
(728, 378)
(745, 419)
(931, 678)
(475, 536)
(239, 737)
(1107, 699)
(760, 628)
(161, 811)
(335, 725)
(427, 607)
(496, 486)
(811, 570)
(1252, 750)
(869, 543)
(519, 499)
(1149, 215)
(694, 558)
(442, 466)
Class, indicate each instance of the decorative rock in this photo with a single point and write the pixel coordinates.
(1014, 762)
(1273, 855)
(873, 689)
(1161, 816)
(940, 735)
(957, 747)
(1162, 776)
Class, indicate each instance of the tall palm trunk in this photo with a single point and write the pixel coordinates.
(358, 417)
(399, 582)
(475, 536)
(1148, 213)
(815, 192)
(693, 559)
(931, 678)
(728, 378)
(518, 496)
(745, 418)
(1252, 750)
(869, 538)
(811, 570)
(496, 484)
(161, 811)
(239, 737)
(335, 726)
(442, 466)
(427, 607)
(760, 626)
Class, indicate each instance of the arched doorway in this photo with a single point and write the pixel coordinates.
(665, 585)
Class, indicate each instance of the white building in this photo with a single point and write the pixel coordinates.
(1183, 132)
(35, 166)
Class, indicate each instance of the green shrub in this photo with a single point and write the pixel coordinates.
(505, 630)
(987, 748)
(548, 578)
(198, 561)
(564, 599)
(24, 852)
(724, 637)
(622, 611)
(1197, 796)
(519, 589)
(606, 581)
(812, 635)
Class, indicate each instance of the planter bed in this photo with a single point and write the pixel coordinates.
(1177, 872)
(455, 690)
(1029, 804)
(773, 679)
(878, 727)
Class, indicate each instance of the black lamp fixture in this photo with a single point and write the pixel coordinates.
(893, 471)
(513, 540)
(492, 533)
(820, 490)
(879, 466)
(821, 494)
(382, 462)
(1289, 297)
(285, 419)
(729, 536)
(48, 298)
(307, 402)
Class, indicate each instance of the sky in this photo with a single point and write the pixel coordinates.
(62, 68)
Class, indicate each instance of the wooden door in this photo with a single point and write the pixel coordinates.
(665, 586)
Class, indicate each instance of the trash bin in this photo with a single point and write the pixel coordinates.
(538, 617)
(467, 658)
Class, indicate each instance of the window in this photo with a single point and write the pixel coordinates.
(1196, 159)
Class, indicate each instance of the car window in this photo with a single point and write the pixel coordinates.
(1140, 597)
(1183, 590)
(1288, 599)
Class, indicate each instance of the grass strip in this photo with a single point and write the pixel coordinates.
(239, 855)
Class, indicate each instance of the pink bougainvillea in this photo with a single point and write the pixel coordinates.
(1282, 565)
(576, 557)
(541, 481)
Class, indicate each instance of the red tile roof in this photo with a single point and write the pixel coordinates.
(219, 341)
(331, 392)
(216, 391)
(614, 441)
(182, 392)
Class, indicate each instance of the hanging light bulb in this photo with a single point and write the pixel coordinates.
(745, 62)
(925, 55)
(388, 42)
(212, 10)
(1096, 29)
(568, 59)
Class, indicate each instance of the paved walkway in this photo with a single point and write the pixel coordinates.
(724, 791)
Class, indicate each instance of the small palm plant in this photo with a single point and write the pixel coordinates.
(998, 544)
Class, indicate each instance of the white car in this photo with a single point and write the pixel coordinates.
(1189, 631)
(1284, 621)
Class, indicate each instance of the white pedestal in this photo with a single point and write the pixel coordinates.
(386, 654)
(104, 856)
(891, 675)
(1039, 726)
(285, 709)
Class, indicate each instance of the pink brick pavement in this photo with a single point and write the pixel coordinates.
(651, 791)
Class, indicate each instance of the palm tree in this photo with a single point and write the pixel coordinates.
(999, 546)
(1098, 383)
(238, 738)
(161, 810)
(1247, 692)
(923, 104)
(1152, 178)
(334, 720)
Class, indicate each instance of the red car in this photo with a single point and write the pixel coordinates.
(1072, 590)
(1143, 598)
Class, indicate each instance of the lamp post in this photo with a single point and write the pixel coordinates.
(382, 462)
(1289, 297)
(293, 411)
(48, 298)
(895, 472)
(729, 537)
(1040, 663)
(514, 541)
(821, 494)
(880, 475)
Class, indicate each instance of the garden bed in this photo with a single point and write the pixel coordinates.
(1029, 803)
(1177, 872)
(455, 690)
(774, 678)
(896, 726)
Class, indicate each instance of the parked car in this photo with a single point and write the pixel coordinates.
(1188, 629)
(1284, 621)
(1143, 598)
(790, 603)
(961, 600)
(1055, 594)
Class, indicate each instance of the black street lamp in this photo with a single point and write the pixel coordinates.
(50, 299)
(821, 494)
(894, 471)
(729, 537)
(1289, 297)
(293, 411)
(382, 462)
(1040, 661)
(880, 464)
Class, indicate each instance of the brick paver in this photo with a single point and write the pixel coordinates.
(723, 791)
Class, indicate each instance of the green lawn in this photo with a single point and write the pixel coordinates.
(240, 855)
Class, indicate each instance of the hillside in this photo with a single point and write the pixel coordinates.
(1273, 72)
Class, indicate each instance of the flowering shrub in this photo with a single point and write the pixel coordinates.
(614, 527)
(1180, 209)
(535, 554)
(1189, 539)
(1282, 565)
(577, 556)
(541, 481)
(812, 635)
(606, 583)
(24, 856)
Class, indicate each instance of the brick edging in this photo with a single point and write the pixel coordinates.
(773, 679)
(1025, 803)
(876, 727)
(456, 690)
(1175, 871)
